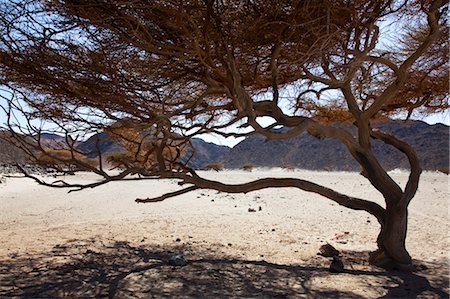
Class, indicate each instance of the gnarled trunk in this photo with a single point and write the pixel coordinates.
(391, 241)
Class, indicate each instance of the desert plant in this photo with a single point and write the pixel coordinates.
(186, 68)
(444, 170)
(217, 166)
(248, 166)
(61, 159)
(287, 167)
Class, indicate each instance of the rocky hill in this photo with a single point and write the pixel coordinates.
(9, 154)
(431, 143)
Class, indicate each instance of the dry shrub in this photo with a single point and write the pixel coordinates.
(288, 167)
(120, 159)
(59, 158)
(139, 143)
(217, 166)
(444, 170)
(248, 166)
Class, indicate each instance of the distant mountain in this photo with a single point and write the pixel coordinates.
(10, 154)
(101, 141)
(205, 152)
(431, 143)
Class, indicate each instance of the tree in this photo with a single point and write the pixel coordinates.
(178, 69)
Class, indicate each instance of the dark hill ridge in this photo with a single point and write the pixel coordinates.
(205, 152)
(431, 143)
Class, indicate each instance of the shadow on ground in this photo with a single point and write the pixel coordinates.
(85, 268)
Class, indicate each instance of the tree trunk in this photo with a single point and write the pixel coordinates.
(392, 251)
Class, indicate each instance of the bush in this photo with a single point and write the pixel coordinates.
(60, 159)
(444, 170)
(248, 167)
(217, 166)
(288, 167)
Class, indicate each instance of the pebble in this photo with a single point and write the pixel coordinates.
(177, 260)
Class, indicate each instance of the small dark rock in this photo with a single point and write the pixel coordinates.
(259, 209)
(212, 200)
(177, 260)
(273, 229)
(328, 251)
(229, 244)
(420, 267)
(251, 210)
(337, 266)
(178, 240)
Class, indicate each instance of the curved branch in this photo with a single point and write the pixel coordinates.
(375, 172)
(416, 170)
(167, 195)
(390, 91)
(342, 199)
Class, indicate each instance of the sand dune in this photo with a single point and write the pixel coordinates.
(100, 242)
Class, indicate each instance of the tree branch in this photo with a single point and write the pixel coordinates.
(167, 195)
(416, 170)
(343, 200)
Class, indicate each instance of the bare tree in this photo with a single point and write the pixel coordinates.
(177, 69)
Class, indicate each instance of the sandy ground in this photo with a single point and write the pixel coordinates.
(99, 242)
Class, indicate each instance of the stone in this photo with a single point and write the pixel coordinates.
(177, 260)
(328, 251)
(336, 266)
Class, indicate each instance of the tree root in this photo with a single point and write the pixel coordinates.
(381, 259)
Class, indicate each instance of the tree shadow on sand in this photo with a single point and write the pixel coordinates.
(87, 268)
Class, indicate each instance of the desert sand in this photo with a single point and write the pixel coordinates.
(99, 242)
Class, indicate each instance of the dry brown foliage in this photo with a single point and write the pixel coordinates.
(61, 158)
(248, 166)
(217, 166)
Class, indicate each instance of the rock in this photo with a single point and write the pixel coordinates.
(177, 260)
(251, 210)
(328, 251)
(259, 209)
(337, 266)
